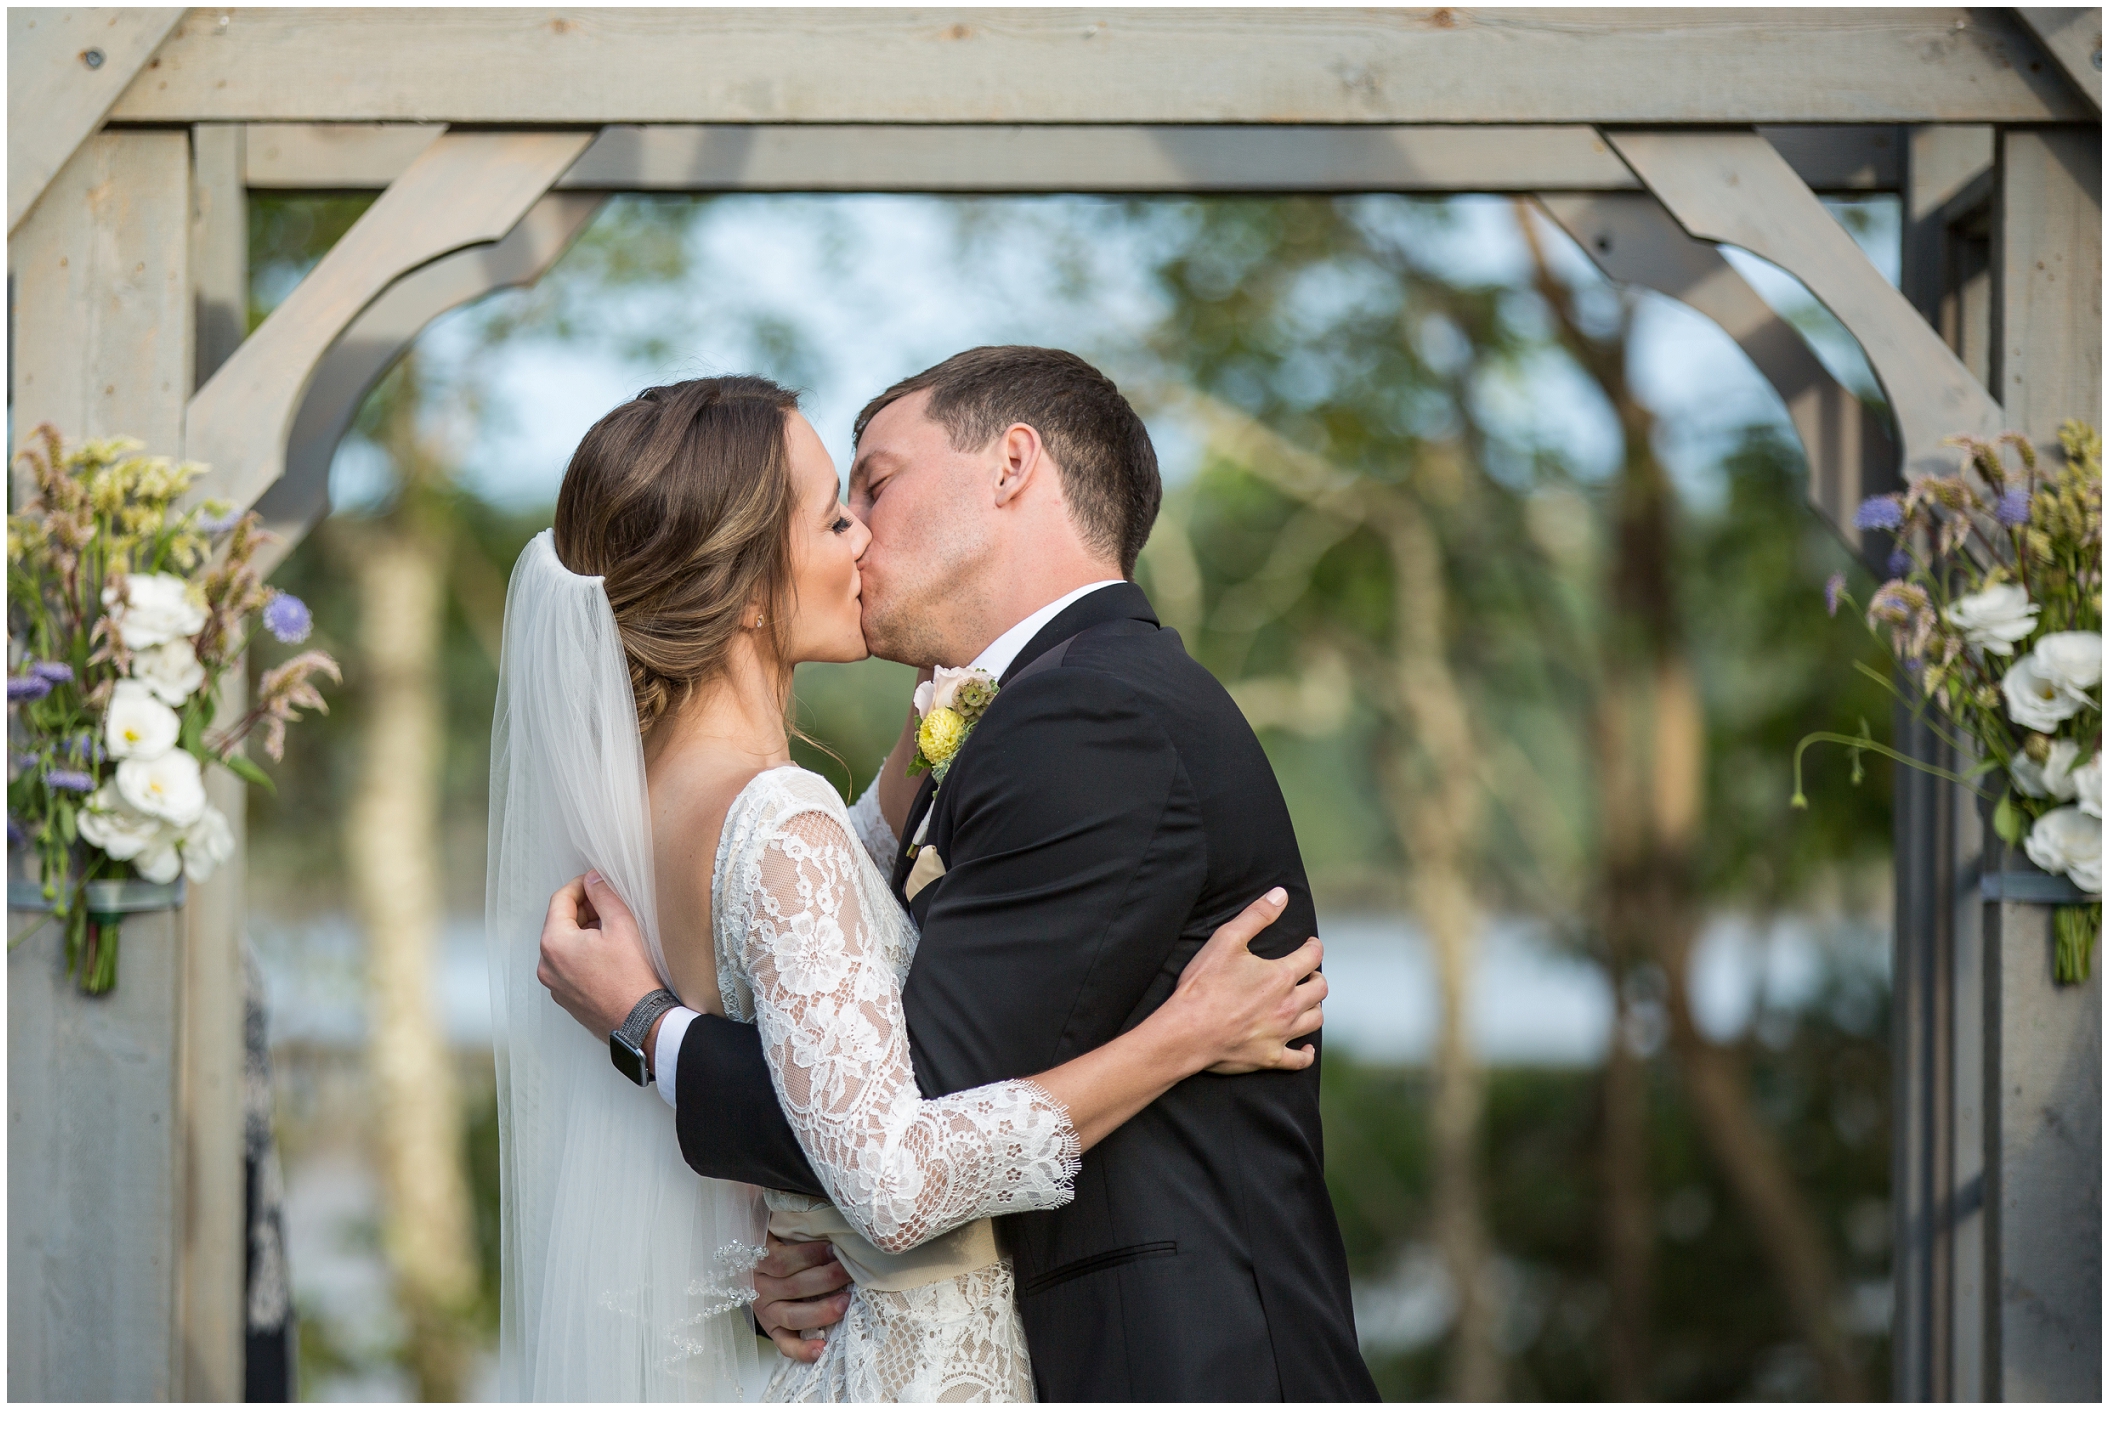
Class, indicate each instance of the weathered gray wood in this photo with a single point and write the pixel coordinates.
(1099, 158)
(1733, 188)
(2044, 1042)
(465, 189)
(1635, 241)
(214, 1243)
(1291, 66)
(1842, 157)
(1057, 158)
(383, 332)
(102, 299)
(2048, 260)
(94, 1162)
(56, 98)
(97, 1188)
(332, 157)
(1938, 989)
(2072, 34)
(219, 243)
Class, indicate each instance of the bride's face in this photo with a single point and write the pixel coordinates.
(826, 541)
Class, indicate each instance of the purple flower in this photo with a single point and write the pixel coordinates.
(64, 781)
(2012, 509)
(16, 837)
(1879, 513)
(27, 688)
(1900, 562)
(217, 525)
(1834, 592)
(55, 672)
(286, 617)
(84, 748)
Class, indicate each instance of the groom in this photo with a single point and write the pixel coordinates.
(1110, 810)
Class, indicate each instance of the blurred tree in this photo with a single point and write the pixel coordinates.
(1364, 487)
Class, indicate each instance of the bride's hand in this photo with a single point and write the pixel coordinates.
(1242, 1010)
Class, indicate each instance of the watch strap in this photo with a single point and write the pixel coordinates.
(629, 1038)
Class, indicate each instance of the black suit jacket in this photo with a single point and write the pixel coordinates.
(1107, 814)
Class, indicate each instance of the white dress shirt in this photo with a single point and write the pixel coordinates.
(995, 659)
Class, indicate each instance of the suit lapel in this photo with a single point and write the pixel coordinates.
(1110, 603)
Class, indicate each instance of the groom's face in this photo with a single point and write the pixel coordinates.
(926, 505)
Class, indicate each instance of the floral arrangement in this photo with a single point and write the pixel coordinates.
(124, 612)
(950, 704)
(1994, 609)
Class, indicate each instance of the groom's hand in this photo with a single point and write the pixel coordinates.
(594, 961)
(799, 1287)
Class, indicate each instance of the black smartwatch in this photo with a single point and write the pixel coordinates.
(626, 1043)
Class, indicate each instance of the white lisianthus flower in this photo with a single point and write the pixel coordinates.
(2072, 660)
(2068, 841)
(1995, 618)
(155, 609)
(2035, 699)
(2054, 777)
(2087, 785)
(170, 670)
(942, 690)
(161, 862)
(170, 787)
(207, 842)
(138, 724)
(122, 832)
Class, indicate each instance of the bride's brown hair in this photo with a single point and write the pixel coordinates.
(681, 501)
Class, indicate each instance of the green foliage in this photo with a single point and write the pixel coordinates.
(1721, 1332)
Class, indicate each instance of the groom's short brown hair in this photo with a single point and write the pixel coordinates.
(1109, 467)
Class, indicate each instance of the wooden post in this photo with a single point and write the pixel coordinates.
(210, 1295)
(2043, 1042)
(1937, 999)
(96, 1179)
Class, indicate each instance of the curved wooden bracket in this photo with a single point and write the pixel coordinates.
(468, 188)
(380, 336)
(1732, 188)
(1635, 242)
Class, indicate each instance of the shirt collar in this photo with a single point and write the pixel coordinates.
(997, 656)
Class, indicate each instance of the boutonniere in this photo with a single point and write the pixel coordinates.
(950, 704)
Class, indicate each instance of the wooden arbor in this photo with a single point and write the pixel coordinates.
(135, 136)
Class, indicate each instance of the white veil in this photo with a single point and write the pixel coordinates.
(622, 1271)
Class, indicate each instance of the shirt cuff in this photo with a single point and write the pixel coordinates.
(666, 1052)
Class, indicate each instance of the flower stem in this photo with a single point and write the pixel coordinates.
(1867, 744)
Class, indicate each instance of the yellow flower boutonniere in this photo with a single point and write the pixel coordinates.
(950, 704)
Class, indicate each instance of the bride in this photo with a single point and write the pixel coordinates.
(700, 553)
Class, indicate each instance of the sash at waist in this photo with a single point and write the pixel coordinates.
(965, 1249)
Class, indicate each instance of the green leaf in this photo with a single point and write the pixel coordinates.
(249, 772)
(2009, 821)
(65, 820)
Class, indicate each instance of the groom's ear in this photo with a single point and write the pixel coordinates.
(1020, 457)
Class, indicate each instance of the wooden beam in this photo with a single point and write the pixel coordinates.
(1010, 159)
(1634, 241)
(97, 1185)
(378, 339)
(2048, 271)
(466, 189)
(1083, 66)
(2072, 36)
(1732, 188)
(65, 69)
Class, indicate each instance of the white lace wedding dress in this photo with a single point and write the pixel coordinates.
(812, 947)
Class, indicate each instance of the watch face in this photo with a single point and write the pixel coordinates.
(629, 1059)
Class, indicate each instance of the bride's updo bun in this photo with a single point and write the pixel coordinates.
(681, 501)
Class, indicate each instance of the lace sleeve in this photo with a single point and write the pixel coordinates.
(872, 828)
(902, 1169)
